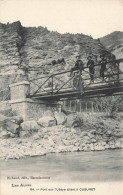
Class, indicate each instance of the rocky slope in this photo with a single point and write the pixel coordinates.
(114, 43)
(75, 132)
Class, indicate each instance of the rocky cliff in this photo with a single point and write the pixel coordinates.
(38, 49)
(114, 43)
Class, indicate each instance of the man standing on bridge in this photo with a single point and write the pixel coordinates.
(79, 65)
(90, 65)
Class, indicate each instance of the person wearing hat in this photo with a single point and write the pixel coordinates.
(79, 65)
(103, 63)
(90, 65)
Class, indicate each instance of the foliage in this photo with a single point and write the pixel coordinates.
(111, 105)
(89, 122)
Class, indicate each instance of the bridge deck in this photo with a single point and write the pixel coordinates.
(90, 91)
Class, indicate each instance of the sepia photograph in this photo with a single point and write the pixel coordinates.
(61, 97)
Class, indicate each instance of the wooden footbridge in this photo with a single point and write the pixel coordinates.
(61, 85)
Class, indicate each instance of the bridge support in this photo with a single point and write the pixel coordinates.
(29, 108)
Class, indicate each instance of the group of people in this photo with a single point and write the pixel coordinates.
(79, 65)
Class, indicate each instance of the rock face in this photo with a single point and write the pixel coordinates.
(41, 50)
(10, 45)
(114, 43)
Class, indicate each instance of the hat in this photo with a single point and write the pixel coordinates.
(89, 57)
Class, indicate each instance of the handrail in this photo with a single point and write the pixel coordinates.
(80, 85)
(42, 85)
(68, 71)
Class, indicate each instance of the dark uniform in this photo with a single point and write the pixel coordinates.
(90, 65)
(78, 65)
(103, 63)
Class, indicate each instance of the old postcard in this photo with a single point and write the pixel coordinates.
(61, 97)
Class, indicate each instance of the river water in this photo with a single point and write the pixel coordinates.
(93, 166)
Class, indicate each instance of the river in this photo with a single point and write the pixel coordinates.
(93, 166)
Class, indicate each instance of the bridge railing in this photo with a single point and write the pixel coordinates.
(58, 82)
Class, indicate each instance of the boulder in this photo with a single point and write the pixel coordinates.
(7, 123)
(17, 119)
(47, 121)
(11, 126)
(60, 118)
(70, 120)
(29, 126)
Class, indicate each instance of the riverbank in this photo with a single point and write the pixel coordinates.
(89, 134)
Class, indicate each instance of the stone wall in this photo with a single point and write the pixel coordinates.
(32, 109)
